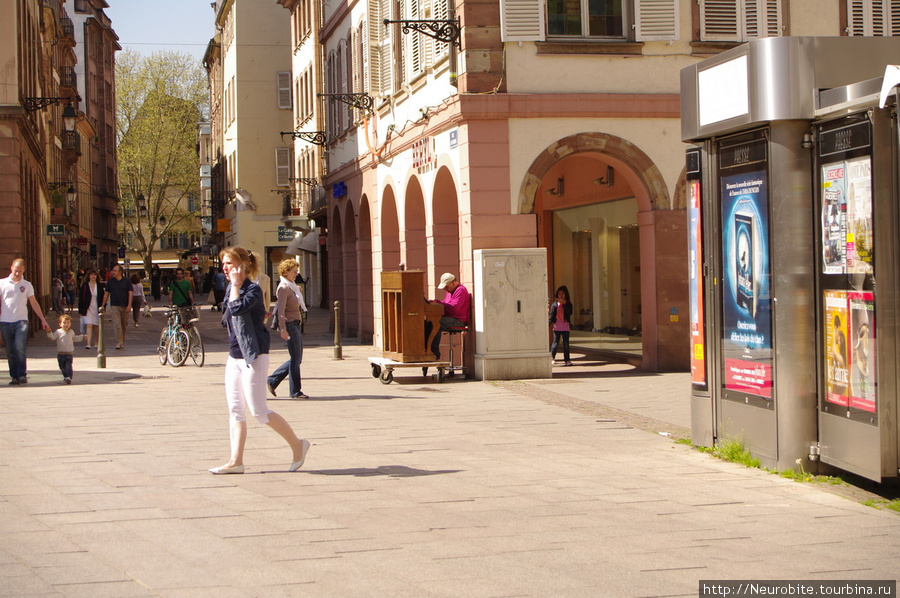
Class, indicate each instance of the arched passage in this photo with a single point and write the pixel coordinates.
(609, 225)
(444, 233)
(414, 255)
(366, 280)
(336, 255)
(350, 304)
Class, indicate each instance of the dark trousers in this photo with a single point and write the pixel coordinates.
(446, 323)
(557, 336)
(65, 364)
(291, 367)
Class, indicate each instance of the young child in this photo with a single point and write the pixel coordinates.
(65, 339)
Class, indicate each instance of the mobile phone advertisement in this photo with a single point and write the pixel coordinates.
(747, 319)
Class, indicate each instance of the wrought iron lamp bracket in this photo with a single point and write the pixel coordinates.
(360, 101)
(441, 30)
(314, 137)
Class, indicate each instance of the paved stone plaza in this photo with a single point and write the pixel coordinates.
(566, 487)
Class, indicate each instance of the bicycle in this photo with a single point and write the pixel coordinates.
(175, 340)
(195, 348)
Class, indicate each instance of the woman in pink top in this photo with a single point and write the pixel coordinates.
(561, 320)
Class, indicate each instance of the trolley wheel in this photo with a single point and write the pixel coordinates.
(440, 375)
(376, 370)
(387, 376)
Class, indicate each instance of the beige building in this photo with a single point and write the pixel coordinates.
(249, 64)
(551, 124)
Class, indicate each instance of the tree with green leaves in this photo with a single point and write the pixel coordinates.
(159, 101)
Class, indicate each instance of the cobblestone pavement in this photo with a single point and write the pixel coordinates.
(561, 487)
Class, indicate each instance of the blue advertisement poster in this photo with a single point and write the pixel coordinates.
(747, 315)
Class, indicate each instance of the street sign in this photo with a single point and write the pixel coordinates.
(195, 260)
(56, 230)
(285, 234)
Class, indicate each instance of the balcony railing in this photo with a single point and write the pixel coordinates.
(68, 27)
(296, 203)
(71, 141)
(68, 77)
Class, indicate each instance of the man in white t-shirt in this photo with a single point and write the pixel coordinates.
(16, 294)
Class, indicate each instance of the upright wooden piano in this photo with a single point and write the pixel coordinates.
(404, 311)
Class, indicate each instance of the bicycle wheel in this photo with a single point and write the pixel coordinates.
(162, 349)
(179, 347)
(198, 354)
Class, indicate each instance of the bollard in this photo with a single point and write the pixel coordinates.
(338, 353)
(101, 344)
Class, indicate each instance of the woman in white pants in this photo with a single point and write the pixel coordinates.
(248, 361)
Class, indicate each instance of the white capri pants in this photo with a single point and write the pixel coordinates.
(245, 387)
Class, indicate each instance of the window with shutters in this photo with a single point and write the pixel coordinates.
(283, 80)
(614, 21)
(282, 166)
(873, 18)
(740, 20)
(585, 18)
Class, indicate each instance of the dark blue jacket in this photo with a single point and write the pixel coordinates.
(247, 314)
(567, 311)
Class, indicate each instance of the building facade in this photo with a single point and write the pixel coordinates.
(38, 101)
(248, 64)
(97, 43)
(549, 125)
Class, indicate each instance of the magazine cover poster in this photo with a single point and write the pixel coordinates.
(859, 215)
(862, 351)
(834, 208)
(837, 375)
(695, 253)
(747, 326)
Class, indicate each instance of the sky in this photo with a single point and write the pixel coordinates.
(148, 26)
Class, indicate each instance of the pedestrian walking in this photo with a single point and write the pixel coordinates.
(248, 362)
(16, 294)
(138, 300)
(289, 311)
(181, 291)
(155, 282)
(65, 339)
(219, 282)
(561, 320)
(89, 301)
(57, 289)
(71, 285)
(118, 296)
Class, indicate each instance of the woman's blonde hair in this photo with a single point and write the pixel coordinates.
(285, 266)
(246, 258)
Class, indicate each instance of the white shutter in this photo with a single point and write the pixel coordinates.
(374, 26)
(894, 18)
(719, 20)
(365, 58)
(774, 24)
(873, 17)
(522, 20)
(343, 77)
(413, 42)
(762, 18)
(438, 49)
(282, 166)
(385, 51)
(284, 90)
(656, 20)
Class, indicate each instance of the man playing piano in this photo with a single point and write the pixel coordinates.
(457, 303)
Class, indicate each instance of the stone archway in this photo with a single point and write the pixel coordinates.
(661, 225)
(647, 182)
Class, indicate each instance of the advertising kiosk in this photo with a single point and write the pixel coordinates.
(792, 197)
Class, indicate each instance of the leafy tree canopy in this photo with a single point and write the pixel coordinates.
(159, 101)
